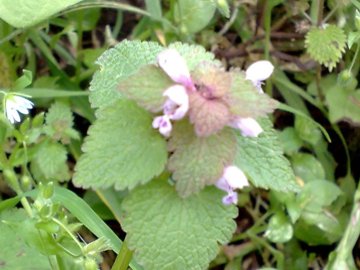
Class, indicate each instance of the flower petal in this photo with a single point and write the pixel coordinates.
(230, 198)
(177, 104)
(23, 102)
(163, 124)
(177, 93)
(223, 184)
(175, 67)
(249, 127)
(259, 71)
(235, 177)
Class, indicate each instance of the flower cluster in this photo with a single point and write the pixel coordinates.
(14, 104)
(177, 103)
(188, 90)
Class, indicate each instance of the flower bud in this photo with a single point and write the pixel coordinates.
(47, 191)
(25, 181)
(90, 264)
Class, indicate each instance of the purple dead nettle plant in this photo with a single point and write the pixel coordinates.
(208, 86)
(199, 110)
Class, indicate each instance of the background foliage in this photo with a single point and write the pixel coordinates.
(302, 211)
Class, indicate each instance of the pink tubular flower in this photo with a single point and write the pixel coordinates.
(163, 124)
(232, 178)
(248, 126)
(177, 104)
(258, 72)
(175, 67)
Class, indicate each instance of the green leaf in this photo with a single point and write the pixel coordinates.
(24, 81)
(59, 122)
(25, 13)
(122, 149)
(245, 100)
(154, 8)
(115, 65)
(15, 228)
(49, 162)
(320, 228)
(148, 93)
(307, 167)
(326, 45)
(263, 161)
(353, 37)
(290, 141)
(194, 15)
(279, 229)
(168, 232)
(318, 194)
(223, 7)
(199, 161)
(343, 104)
(308, 131)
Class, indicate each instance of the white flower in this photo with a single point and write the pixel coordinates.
(248, 126)
(258, 72)
(175, 67)
(15, 104)
(163, 124)
(177, 104)
(232, 178)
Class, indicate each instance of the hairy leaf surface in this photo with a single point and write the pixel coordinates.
(168, 232)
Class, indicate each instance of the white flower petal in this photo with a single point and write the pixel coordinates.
(235, 177)
(23, 102)
(259, 71)
(14, 116)
(249, 127)
(15, 104)
(175, 67)
(177, 93)
(9, 115)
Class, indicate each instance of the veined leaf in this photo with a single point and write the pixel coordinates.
(326, 45)
(121, 150)
(263, 161)
(25, 13)
(168, 232)
(199, 161)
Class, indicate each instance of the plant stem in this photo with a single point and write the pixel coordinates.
(123, 258)
(342, 258)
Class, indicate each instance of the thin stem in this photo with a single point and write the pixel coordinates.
(343, 141)
(330, 13)
(27, 206)
(68, 232)
(123, 258)
(343, 253)
(232, 19)
(11, 36)
(355, 56)
(267, 28)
